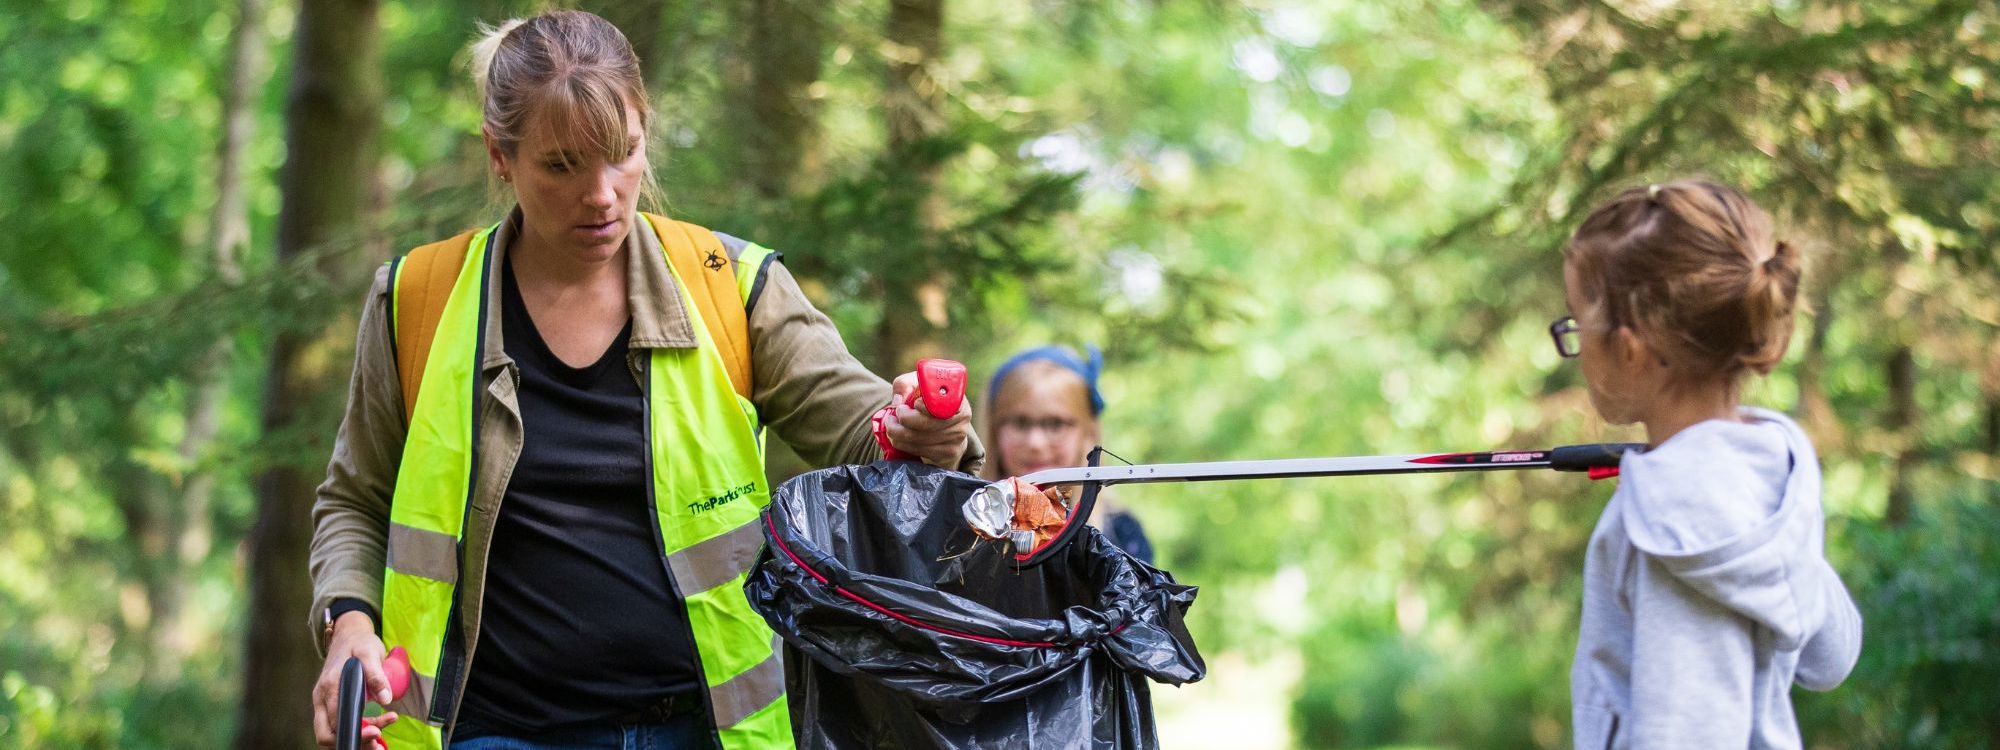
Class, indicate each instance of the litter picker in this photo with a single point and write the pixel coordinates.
(1599, 460)
(991, 510)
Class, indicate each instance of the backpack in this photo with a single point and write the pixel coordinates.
(422, 280)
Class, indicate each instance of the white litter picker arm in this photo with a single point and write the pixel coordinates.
(1600, 460)
(990, 511)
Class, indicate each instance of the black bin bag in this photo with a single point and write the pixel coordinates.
(901, 632)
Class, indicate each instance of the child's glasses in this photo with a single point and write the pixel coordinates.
(1563, 331)
(1052, 426)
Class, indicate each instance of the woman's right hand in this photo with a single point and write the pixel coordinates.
(353, 636)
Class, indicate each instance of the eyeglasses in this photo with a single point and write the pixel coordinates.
(1051, 426)
(1563, 332)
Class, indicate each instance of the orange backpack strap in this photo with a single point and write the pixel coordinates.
(708, 273)
(420, 283)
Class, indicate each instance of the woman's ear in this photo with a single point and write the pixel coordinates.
(495, 157)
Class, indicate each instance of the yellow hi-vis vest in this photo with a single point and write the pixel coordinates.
(705, 454)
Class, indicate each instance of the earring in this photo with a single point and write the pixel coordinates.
(504, 177)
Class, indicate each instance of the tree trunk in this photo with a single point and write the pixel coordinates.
(1989, 383)
(641, 21)
(229, 232)
(141, 492)
(173, 535)
(229, 226)
(910, 96)
(1902, 424)
(785, 43)
(1992, 449)
(1813, 407)
(1993, 426)
(911, 99)
(331, 122)
(777, 62)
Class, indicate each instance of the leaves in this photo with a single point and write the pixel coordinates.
(1295, 228)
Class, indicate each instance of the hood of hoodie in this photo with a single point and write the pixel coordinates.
(1732, 509)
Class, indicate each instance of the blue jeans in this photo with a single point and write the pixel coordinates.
(685, 732)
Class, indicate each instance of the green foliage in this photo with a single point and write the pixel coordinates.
(1296, 228)
(1374, 687)
(859, 236)
(1931, 606)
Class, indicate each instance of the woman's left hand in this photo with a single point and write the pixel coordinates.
(939, 442)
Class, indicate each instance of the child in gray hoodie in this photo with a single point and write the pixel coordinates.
(1706, 590)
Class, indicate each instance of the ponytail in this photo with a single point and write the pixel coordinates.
(483, 51)
(1768, 299)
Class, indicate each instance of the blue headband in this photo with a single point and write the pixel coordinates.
(1061, 356)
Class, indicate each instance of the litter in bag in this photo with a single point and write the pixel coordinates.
(1021, 513)
(904, 629)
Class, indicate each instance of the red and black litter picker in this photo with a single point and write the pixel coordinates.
(353, 697)
(991, 511)
(940, 387)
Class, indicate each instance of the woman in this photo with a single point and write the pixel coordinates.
(1044, 405)
(552, 454)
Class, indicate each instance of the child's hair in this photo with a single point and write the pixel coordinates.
(1693, 267)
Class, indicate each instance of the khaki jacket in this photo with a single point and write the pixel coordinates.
(806, 386)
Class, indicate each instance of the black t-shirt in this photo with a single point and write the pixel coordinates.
(580, 623)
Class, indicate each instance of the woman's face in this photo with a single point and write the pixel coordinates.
(1043, 422)
(577, 202)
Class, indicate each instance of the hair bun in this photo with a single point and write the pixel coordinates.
(1780, 256)
(1770, 301)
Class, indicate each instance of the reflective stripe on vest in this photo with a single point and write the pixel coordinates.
(706, 455)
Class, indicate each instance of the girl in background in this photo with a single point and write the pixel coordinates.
(1706, 591)
(1045, 407)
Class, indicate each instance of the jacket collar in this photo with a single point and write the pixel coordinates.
(659, 311)
(660, 317)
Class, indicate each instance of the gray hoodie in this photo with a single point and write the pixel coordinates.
(1706, 594)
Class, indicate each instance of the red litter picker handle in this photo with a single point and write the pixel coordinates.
(941, 388)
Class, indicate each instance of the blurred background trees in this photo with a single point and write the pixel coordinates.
(1297, 228)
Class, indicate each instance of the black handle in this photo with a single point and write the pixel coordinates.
(347, 724)
(1592, 456)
